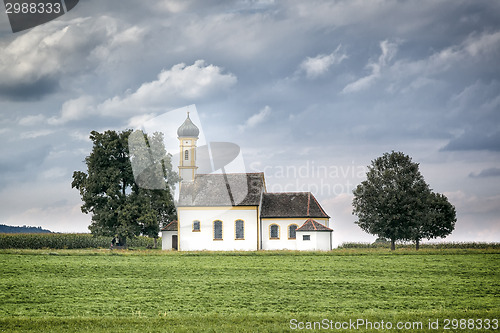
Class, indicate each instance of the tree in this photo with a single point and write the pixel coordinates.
(439, 221)
(155, 179)
(395, 202)
(111, 193)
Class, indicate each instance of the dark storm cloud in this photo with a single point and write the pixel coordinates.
(475, 141)
(49, 57)
(486, 173)
(474, 110)
(28, 91)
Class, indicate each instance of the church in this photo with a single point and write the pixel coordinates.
(234, 212)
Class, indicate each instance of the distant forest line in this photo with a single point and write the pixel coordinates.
(9, 229)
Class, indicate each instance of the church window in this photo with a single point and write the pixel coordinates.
(274, 231)
(217, 230)
(196, 225)
(239, 229)
(186, 154)
(292, 231)
(306, 237)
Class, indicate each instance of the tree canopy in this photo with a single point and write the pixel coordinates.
(395, 202)
(114, 188)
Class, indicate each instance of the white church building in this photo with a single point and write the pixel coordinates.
(234, 212)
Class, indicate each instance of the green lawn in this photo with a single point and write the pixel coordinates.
(99, 290)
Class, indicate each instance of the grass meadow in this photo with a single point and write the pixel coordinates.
(157, 291)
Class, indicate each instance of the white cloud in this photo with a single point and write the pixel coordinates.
(180, 84)
(173, 6)
(45, 51)
(74, 109)
(363, 82)
(450, 57)
(79, 136)
(32, 120)
(54, 173)
(138, 121)
(256, 119)
(485, 44)
(475, 49)
(319, 65)
(473, 46)
(388, 51)
(35, 134)
(131, 35)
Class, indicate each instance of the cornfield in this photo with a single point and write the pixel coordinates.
(65, 241)
(449, 245)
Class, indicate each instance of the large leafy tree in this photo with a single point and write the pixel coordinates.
(155, 180)
(395, 202)
(117, 195)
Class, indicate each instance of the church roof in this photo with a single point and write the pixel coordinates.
(231, 189)
(188, 129)
(172, 226)
(311, 225)
(292, 204)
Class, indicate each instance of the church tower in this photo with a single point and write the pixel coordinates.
(188, 135)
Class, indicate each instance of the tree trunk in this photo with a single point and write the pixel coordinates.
(155, 245)
(417, 244)
(393, 244)
(122, 241)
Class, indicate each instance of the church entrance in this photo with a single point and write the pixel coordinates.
(174, 242)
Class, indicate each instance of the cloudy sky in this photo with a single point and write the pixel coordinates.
(311, 91)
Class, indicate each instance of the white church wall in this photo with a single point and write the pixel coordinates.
(204, 238)
(325, 239)
(318, 241)
(166, 239)
(284, 242)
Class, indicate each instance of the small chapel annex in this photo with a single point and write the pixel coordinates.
(234, 212)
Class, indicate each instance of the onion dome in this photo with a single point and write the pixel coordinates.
(188, 129)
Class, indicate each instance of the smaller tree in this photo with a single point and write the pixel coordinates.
(439, 220)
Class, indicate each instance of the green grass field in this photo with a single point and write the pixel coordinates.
(155, 291)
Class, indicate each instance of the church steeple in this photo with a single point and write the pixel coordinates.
(188, 135)
(188, 129)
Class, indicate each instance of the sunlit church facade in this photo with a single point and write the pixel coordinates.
(234, 212)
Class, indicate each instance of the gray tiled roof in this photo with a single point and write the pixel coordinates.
(232, 189)
(311, 225)
(296, 204)
(172, 226)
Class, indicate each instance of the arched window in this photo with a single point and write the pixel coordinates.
(186, 154)
(196, 225)
(274, 231)
(217, 230)
(292, 234)
(239, 229)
